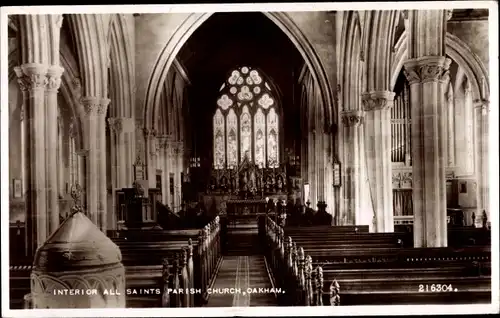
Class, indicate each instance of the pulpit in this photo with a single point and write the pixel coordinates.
(137, 206)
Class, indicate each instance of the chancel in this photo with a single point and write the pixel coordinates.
(319, 158)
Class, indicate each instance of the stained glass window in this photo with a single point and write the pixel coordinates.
(246, 134)
(219, 142)
(246, 121)
(272, 139)
(260, 130)
(232, 139)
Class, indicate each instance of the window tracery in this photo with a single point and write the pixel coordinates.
(246, 123)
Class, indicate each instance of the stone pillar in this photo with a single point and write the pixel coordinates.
(427, 79)
(451, 126)
(32, 80)
(427, 72)
(482, 128)
(169, 169)
(178, 154)
(53, 83)
(95, 142)
(150, 135)
(128, 125)
(313, 176)
(352, 181)
(377, 126)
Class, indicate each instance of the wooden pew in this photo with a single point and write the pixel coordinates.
(164, 261)
(376, 275)
(187, 264)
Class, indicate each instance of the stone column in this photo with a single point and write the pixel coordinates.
(150, 135)
(128, 125)
(32, 80)
(53, 83)
(95, 142)
(427, 76)
(451, 126)
(169, 169)
(117, 164)
(313, 176)
(482, 128)
(178, 153)
(351, 121)
(320, 167)
(377, 127)
(427, 72)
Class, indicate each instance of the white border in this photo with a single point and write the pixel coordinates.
(258, 311)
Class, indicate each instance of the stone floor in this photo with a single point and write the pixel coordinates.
(237, 276)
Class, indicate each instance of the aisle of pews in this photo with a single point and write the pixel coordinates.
(349, 266)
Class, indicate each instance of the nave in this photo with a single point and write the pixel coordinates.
(294, 265)
(190, 153)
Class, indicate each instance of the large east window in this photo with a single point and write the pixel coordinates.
(245, 124)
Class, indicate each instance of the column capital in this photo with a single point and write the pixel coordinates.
(149, 132)
(54, 74)
(31, 76)
(352, 117)
(82, 152)
(427, 69)
(377, 100)
(482, 104)
(115, 124)
(95, 105)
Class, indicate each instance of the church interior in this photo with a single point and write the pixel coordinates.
(320, 158)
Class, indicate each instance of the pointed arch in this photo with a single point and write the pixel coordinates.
(193, 21)
(458, 51)
(122, 67)
(92, 52)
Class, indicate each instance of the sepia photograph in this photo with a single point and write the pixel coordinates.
(274, 159)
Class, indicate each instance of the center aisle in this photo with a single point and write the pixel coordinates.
(237, 276)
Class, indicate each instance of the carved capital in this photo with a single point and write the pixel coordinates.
(483, 105)
(115, 124)
(54, 74)
(427, 69)
(378, 100)
(352, 118)
(149, 133)
(31, 76)
(95, 105)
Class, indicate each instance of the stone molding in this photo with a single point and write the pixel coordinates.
(378, 100)
(352, 118)
(427, 69)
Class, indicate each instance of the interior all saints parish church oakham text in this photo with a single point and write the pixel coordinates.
(235, 159)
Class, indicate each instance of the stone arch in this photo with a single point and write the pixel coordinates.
(380, 29)
(122, 67)
(193, 21)
(92, 52)
(461, 53)
(352, 68)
